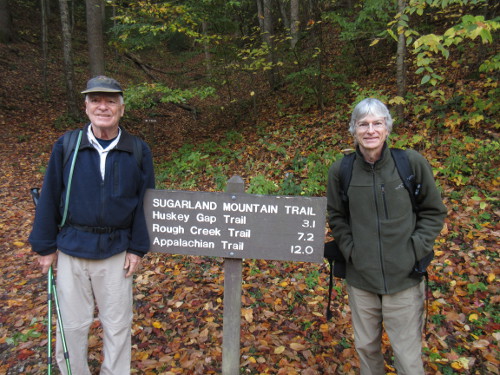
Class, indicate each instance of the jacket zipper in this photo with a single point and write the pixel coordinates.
(381, 257)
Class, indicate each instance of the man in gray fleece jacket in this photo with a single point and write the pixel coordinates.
(381, 237)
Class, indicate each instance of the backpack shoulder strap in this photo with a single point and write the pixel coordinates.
(138, 151)
(406, 174)
(345, 177)
(69, 142)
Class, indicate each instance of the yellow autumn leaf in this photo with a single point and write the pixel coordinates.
(297, 346)
(491, 277)
(456, 365)
(280, 349)
(157, 324)
(283, 284)
(18, 243)
(473, 317)
(323, 328)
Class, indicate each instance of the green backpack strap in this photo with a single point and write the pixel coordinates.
(76, 137)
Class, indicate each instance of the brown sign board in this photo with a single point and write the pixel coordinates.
(236, 225)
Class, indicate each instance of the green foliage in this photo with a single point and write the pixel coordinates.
(470, 28)
(369, 19)
(143, 24)
(24, 335)
(148, 95)
(491, 65)
(181, 172)
(361, 93)
(261, 185)
(303, 83)
(312, 279)
(473, 288)
(290, 186)
(480, 161)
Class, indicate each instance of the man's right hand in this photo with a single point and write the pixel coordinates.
(45, 261)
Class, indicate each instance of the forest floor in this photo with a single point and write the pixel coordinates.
(177, 325)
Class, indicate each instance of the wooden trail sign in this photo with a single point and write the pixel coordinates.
(235, 225)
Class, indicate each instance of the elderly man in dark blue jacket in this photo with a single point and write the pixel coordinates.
(104, 235)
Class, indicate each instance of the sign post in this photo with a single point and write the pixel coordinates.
(234, 225)
(232, 301)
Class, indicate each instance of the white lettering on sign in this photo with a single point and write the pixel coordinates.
(205, 231)
(236, 225)
(206, 219)
(250, 207)
(183, 203)
(228, 219)
(239, 233)
(170, 216)
(163, 242)
(166, 229)
(226, 245)
(296, 210)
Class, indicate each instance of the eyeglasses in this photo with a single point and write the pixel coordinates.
(364, 126)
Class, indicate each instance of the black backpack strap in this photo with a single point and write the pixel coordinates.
(330, 289)
(69, 142)
(407, 176)
(138, 151)
(333, 254)
(345, 178)
(329, 255)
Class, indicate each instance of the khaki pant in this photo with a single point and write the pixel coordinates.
(402, 317)
(79, 281)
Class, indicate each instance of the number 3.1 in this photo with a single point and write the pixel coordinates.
(308, 223)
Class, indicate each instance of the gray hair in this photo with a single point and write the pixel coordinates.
(370, 106)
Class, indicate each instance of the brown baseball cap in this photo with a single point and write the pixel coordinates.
(103, 84)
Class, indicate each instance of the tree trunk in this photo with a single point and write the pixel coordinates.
(260, 15)
(319, 82)
(95, 36)
(45, 43)
(401, 65)
(206, 48)
(284, 12)
(68, 60)
(267, 38)
(294, 22)
(6, 34)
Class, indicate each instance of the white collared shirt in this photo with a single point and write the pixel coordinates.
(103, 152)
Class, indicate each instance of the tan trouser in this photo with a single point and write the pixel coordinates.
(79, 281)
(402, 317)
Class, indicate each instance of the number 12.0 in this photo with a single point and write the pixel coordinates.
(297, 249)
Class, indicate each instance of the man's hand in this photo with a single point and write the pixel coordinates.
(132, 262)
(46, 261)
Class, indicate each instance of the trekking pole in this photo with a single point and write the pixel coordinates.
(60, 322)
(49, 322)
(52, 290)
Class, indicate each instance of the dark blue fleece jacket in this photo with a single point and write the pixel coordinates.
(115, 202)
